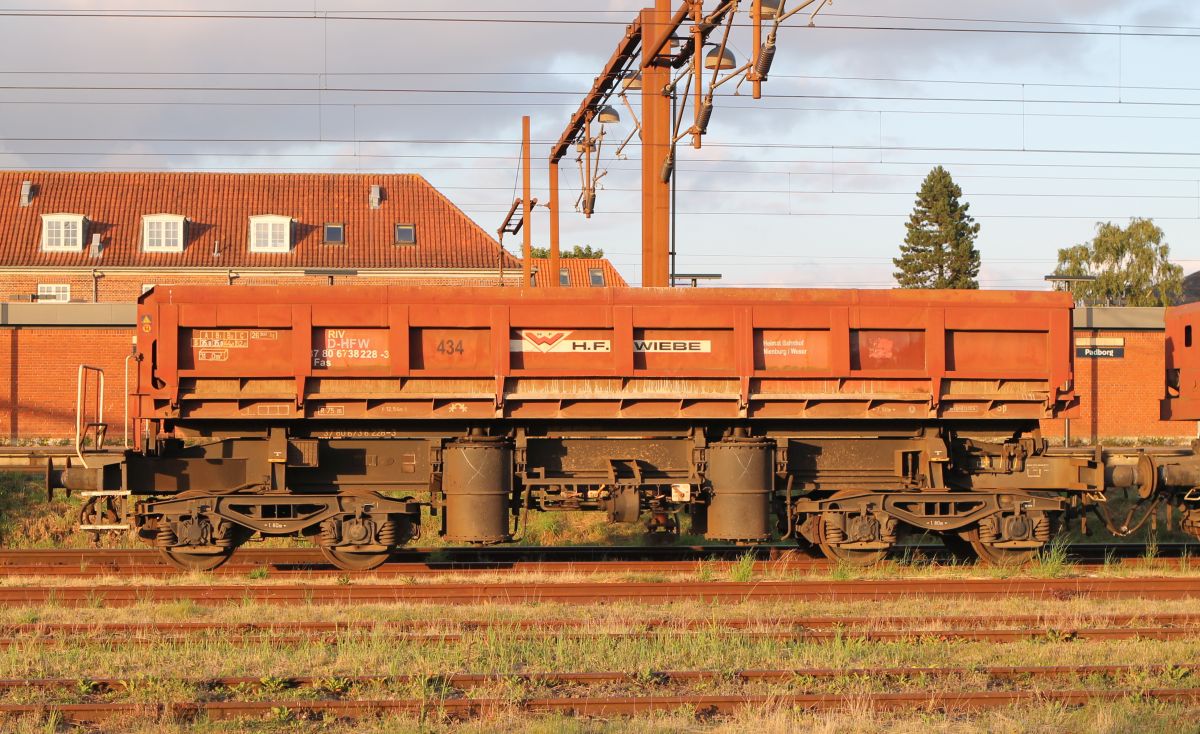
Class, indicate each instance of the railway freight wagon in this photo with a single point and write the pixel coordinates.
(842, 419)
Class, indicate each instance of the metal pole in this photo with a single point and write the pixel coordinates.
(551, 280)
(656, 146)
(698, 73)
(587, 166)
(674, 189)
(526, 230)
(756, 23)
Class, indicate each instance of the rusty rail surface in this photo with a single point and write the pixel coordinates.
(588, 593)
(424, 569)
(587, 559)
(85, 713)
(250, 557)
(997, 636)
(304, 571)
(996, 674)
(847, 625)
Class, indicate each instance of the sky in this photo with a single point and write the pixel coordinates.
(1052, 117)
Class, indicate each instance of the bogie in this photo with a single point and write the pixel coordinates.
(851, 493)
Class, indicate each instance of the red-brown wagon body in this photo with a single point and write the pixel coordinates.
(387, 354)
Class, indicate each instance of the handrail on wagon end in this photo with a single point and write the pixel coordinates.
(81, 427)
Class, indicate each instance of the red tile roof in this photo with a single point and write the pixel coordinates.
(218, 207)
(579, 270)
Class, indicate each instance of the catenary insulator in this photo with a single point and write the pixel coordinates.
(706, 111)
(766, 56)
(668, 168)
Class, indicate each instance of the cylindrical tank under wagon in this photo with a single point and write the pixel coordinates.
(839, 418)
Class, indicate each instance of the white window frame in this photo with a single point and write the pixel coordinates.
(277, 230)
(54, 293)
(595, 274)
(56, 234)
(412, 229)
(157, 235)
(325, 233)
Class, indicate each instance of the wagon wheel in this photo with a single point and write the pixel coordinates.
(208, 557)
(179, 557)
(848, 556)
(354, 561)
(990, 554)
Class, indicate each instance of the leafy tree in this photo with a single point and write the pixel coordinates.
(939, 248)
(1131, 266)
(580, 251)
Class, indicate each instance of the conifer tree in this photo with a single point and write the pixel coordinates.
(939, 248)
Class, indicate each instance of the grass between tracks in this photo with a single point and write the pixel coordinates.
(1128, 716)
(158, 671)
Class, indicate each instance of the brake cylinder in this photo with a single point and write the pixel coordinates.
(741, 477)
(477, 484)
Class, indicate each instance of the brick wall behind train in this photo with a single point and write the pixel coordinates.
(38, 370)
(38, 367)
(1119, 397)
(126, 288)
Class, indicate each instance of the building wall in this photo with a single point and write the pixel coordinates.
(125, 288)
(1119, 397)
(38, 375)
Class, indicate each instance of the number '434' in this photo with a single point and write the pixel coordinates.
(450, 346)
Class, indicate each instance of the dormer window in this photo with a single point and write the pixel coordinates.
(406, 234)
(335, 233)
(163, 232)
(63, 232)
(270, 233)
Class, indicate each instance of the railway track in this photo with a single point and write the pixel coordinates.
(997, 636)
(723, 569)
(590, 593)
(707, 705)
(846, 624)
(465, 681)
(86, 563)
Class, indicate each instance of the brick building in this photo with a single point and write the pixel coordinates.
(105, 237)
(578, 272)
(1120, 371)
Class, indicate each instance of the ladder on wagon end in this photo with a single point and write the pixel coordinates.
(103, 510)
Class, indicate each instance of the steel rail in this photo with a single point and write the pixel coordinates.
(998, 674)
(847, 625)
(588, 593)
(995, 636)
(492, 554)
(249, 557)
(303, 571)
(315, 570)
(90, 713)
